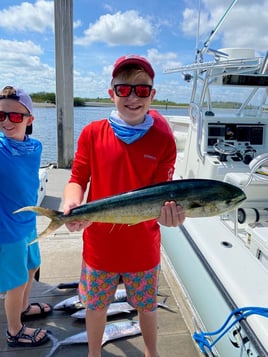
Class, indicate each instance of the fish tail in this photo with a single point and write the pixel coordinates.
(55, 345)
(55, 217)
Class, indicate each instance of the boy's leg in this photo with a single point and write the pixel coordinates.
(13, 307)
(27, 290)
(96, 290)
(142, 294)
(148, 324)
(33, 263)
(95, 322)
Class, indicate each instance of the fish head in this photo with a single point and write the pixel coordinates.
(213, 198)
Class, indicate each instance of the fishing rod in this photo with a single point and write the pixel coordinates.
(199, 53)
(215, 30)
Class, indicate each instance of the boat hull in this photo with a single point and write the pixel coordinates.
(216, 282)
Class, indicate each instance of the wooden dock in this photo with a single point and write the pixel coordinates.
(61, 259)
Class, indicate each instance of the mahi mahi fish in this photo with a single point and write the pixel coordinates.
(112, 331)
(197, 197)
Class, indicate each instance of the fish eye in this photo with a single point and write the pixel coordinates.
(172, 195)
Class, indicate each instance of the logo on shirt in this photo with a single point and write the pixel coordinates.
(151, 157)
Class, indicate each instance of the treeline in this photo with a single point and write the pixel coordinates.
(44, 97)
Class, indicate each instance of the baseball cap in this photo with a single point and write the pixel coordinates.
(18, 94)
(133, 59)
(9, 92)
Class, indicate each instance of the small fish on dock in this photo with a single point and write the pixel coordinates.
(74, 304)
(198, 198)
(112, 331)
(61, 286)
(116, 308)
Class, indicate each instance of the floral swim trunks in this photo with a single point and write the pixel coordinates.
(97, 288)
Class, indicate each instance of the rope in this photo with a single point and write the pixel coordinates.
(201, 337)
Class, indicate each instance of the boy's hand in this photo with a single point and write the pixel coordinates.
(75, 225)
(171, 215)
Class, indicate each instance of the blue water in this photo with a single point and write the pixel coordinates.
(45, 126)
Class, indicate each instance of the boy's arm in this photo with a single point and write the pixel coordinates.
(72, 197)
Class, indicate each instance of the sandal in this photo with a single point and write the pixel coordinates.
(14, 341)
(25, 316)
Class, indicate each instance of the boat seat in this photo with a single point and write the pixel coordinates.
(256, 190)
(255, 182)
(180, 139)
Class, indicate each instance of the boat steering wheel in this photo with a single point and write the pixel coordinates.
(225, 148)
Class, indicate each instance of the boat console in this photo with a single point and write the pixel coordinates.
(243, 137)
(230, 146)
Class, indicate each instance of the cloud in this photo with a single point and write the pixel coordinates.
(238, 28)
(16, 48)
(21, 63)
(37, 17)
(121, 28)
(245, 32)
(77, 24)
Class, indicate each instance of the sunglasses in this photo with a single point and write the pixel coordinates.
(13, 117)
(141, 90)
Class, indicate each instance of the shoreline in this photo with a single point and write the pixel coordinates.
(102, 104)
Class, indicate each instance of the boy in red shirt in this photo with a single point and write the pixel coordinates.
(133, 148)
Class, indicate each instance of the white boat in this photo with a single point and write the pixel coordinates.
(221, 263)
(42, 185)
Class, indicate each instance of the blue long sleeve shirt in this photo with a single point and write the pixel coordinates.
(19, 183)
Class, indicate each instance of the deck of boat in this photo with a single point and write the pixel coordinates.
(61, 258)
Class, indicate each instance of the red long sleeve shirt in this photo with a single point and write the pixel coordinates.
(112, 167)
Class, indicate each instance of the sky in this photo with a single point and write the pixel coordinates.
(164, 31)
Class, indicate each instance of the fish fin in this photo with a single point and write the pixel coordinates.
(50, 213)
(55, 345)
(55, 223)
(52, 227)
(166, 307)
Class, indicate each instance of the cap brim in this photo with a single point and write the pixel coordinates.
(134, 61)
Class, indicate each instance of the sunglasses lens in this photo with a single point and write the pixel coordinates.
(2, 116)
(143, 91)
(13, 117)
(123, 90)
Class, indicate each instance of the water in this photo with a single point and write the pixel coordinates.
(45, 126)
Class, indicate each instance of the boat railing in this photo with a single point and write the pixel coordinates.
(231, 66)
(196, 116)
(255, 165)
(255, 209)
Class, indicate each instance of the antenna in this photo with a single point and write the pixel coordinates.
(216, 28)
(197, 33)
